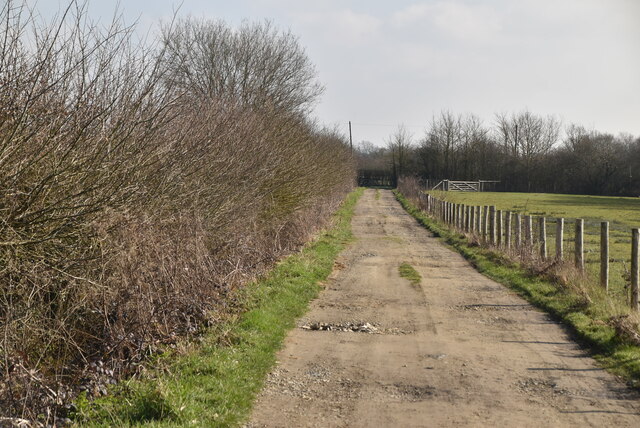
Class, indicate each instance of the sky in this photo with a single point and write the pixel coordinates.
(384, 63)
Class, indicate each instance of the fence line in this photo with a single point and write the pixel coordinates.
(494, 228)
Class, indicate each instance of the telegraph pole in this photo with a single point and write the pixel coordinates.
(350, 138)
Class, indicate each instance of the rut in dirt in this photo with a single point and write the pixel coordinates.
(457, 349)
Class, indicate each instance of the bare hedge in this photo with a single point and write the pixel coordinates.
(132, 203)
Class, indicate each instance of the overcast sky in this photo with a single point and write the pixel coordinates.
(389, 62)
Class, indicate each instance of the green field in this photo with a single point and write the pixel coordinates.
(621, 213)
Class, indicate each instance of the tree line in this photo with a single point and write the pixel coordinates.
(524, 151)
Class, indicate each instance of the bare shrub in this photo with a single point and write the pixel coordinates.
(131, 205)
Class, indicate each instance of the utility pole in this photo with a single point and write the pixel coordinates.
(350, 138)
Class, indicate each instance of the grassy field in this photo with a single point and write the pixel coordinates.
(214, 382)
(621, 213)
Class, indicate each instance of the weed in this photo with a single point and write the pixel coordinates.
(408, 272)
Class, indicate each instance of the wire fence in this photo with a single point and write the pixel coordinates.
(604, 250)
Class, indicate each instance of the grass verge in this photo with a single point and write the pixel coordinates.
(613, 352)
(408, 272)
(622, 213)
(215, 382)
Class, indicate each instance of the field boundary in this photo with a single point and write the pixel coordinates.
(614, 352)
(589, 247)
(214, 382)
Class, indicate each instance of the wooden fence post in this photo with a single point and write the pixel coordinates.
(507, 230)
(492, 225)
(604, 255)
(635, 238)
(528, 231)
(543, 238)
(465, 218)
(472, 219)
(452, 214)
(559, 239)
(447, 218)
(518, 231)
(463, 221)
(478, 219)
(454, 221)
(579, 244)
(456, 212)
(485, 226)
(499, 227)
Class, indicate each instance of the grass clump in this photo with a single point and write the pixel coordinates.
(408, 272)
(215, 382)
(588, 319)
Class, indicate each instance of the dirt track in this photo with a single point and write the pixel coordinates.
(459, 350)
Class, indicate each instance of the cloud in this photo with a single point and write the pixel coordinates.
(341, 26)
(411, 14)
(451, 19)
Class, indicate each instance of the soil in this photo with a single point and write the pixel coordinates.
(459, 350)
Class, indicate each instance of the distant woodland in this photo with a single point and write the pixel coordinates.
(526, 152)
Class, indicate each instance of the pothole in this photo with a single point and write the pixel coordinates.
(354, 327)
(540, 387)
(500, 320)
(410, 392)
(396, 331)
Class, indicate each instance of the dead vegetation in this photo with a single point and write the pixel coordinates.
(132, 202)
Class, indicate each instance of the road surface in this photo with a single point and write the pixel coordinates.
(457, 350)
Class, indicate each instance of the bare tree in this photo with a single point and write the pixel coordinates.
(525, 138)
(445, 134)
(255, 65)
(400, 147)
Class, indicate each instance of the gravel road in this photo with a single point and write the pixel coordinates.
(457, 350)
